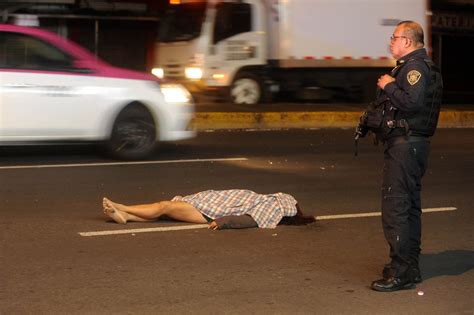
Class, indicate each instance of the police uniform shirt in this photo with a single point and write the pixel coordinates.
(407, 92)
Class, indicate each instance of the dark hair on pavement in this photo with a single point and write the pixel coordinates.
(298, 219)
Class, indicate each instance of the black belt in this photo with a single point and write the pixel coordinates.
(404, 139)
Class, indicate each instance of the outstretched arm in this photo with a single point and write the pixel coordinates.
(233, 222)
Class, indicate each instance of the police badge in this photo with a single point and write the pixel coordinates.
(413, 77)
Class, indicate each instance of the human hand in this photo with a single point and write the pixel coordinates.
(384, 80)
(213, 226)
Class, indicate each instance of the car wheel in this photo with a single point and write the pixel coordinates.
(246, 89)
(133, 134)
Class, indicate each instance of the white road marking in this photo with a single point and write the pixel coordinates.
(375, 214)
(120, 163)
(146, 230)
(203, 226)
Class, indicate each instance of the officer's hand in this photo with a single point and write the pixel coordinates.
(384, 80)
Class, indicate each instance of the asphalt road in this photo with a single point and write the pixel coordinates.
(47, 267)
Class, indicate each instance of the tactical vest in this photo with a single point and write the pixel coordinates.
(424, 122)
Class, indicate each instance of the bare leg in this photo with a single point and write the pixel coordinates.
(177, 210)
(182, 211)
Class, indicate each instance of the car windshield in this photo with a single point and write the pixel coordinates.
(182, 22)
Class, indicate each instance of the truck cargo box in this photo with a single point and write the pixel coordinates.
(337, 29)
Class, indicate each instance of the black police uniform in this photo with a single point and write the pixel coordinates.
(411, 110)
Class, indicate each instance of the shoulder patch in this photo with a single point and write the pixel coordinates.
(413, 77)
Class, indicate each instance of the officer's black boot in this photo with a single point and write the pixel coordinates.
(387, 271)
(394, 280)
(393, 284)
(414, 273)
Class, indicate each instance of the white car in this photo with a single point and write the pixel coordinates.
(52, 90)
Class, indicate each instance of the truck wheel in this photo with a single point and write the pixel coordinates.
(133, 134)
(246, 89)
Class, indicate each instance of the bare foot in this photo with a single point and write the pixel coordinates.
(112, 210)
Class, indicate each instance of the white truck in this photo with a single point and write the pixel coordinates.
(254, 49)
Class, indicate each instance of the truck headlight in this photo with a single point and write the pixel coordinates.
(158, 72)
(175, 93)
(193, 73)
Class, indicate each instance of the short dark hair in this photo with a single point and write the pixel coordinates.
(413, 31)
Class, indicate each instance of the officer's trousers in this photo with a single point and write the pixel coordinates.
(405, 162)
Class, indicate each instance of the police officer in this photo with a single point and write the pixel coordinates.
(409, 101)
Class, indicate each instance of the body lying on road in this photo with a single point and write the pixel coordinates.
(222, 209)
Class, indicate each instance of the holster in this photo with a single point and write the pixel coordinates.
(376, 113)
(375, 118)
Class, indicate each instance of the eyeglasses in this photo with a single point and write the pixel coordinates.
(394, 38)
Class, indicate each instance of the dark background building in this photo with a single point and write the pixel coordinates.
(452, 30)
(123, 32)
